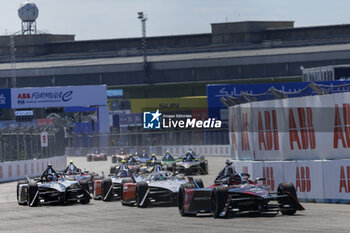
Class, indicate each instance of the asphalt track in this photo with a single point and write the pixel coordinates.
(101, 216)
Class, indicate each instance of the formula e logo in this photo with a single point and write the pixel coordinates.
(151, 120)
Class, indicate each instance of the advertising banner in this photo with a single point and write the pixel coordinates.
(58, 96)
(337, 180)
(44, 139)
(303, 128)
(307, 177)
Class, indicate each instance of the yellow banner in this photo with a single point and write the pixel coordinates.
(168, 104)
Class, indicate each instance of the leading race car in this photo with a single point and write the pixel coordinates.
(191, 164)
(96, 155)
(160, 187)
(51, 188)
(235, 193)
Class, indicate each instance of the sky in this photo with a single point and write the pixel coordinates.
(106, 19)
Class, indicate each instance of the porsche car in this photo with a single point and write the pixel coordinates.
(191, 164)
(51, 188)
(234, 193)
(159, 187)
(96, 155)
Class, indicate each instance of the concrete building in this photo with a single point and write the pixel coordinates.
(239, 52)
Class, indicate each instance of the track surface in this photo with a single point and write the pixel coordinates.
(101, 216)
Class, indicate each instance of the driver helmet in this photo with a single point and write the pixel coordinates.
(51, 177)
(153, 157)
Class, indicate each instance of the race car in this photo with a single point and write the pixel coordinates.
(51, 188)
(143, 158)
(131, 162)
(148, 166)
(160, 187)
(96, 156)
(191, 164)
(121, 156)
(73, 173)
(110, 188)
(168, 160)
(234, 193)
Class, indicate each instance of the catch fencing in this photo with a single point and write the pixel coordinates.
(24, 142)
(152, 138)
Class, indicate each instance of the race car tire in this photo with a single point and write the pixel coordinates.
(106, 185)
(114, 159)
(141, 190)
(18, 194)
(89, 158)
(124, 181)
(198, 181)
(86, 196)
(32, 191)
(281, 190)
(204, 167)
(181, 198)
(218, 200)
(113, 170)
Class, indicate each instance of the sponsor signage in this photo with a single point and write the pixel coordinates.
(312, 127)
(58, 96)
(44, 139)
(216, 92)
(24, 113)
(168, 104)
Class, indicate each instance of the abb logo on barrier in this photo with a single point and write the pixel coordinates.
(268, 174)
(339, 133)
(302, 179)
(244, 135)
(268, 135)
(233, 127)
(344, 183)
(307, 131)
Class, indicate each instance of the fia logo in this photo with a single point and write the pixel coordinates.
(151, 120)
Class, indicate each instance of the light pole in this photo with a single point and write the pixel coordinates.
(143, 19)
(13, 60)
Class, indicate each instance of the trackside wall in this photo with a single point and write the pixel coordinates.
(16, 170)
(303, 140)
(315, 180)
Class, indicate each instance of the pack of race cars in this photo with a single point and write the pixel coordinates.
(142, 180)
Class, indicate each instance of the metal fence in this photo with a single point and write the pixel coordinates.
(24, 142)
(152, 138)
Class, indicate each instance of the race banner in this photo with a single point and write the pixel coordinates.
(94, 95)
